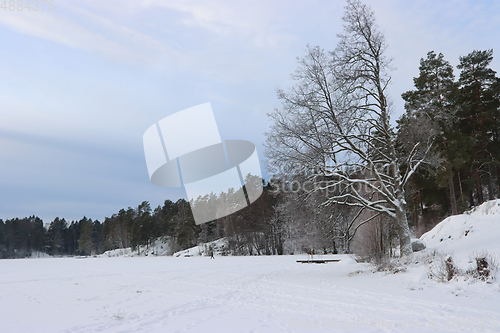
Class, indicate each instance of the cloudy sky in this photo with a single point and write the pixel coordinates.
(81, 83)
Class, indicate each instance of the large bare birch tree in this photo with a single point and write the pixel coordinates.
(334, 122)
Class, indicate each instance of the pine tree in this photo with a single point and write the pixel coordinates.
(478, 114)
(57, 237)
(85, 242)
(431, 116)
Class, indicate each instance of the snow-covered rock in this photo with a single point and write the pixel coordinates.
(417, 245)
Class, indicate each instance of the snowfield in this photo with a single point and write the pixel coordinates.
(234, 294)
(256, 294)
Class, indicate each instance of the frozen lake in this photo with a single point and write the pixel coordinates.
(234, 294)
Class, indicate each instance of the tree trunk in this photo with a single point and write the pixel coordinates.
(403, 230)
(479, 188)
(453, 199)
(422, 211)
(415, 216)
(460, 184)
(491, 195)
(382, 244)
(498, 178)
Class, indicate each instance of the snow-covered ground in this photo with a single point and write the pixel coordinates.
(254, 294)
(462, 236)
(234, 294)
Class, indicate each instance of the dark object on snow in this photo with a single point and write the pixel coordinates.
(450, 268)
(317, 261)
(212, 255)
(417, 245)
(482, 268)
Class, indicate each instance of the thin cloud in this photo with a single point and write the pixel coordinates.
(52, 27)
(126, 34)
(257, 22)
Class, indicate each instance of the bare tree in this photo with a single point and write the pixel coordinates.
(335, 123)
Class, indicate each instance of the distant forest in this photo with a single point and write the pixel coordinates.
(140, 226)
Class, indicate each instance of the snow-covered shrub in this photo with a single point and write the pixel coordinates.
(391, 266)
(443, 268)
(484, 267)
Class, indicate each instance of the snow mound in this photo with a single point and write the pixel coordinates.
(473, 232)
(160, 247)
(347, 261)
(217, 246)
(40, 255)
(488, 208)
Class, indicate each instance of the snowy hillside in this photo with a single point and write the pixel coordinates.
(160, 247)
(217, 246)
(464, 235)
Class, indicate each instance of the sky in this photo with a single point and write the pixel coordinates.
(81, 83)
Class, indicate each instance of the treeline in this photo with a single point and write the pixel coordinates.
(128, 228)
(263, 228)
(249, 231)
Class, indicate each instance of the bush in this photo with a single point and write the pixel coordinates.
(484, 268)
(442, 269)
(393, 265)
